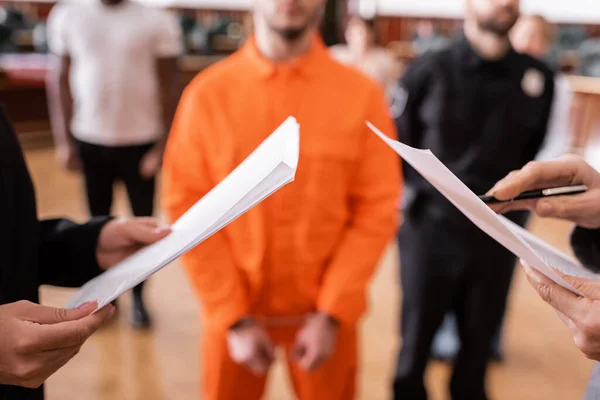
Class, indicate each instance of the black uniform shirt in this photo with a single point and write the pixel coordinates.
(32, 252)
(482, 119)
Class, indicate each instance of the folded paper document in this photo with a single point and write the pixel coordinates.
(524, 245)
(271, 166)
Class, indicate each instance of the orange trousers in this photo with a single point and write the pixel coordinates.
(226, 380)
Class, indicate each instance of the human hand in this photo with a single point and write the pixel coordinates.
(150, 163)
(580, 314)
(315, 342)
(122, 237)
(36, 341)
(583, 209)
(68, 157)
(250, 345)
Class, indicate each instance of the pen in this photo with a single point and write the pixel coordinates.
(538, 194)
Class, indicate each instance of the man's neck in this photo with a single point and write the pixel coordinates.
(487, 44)
(278, 49)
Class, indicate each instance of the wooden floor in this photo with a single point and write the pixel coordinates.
(119, 363)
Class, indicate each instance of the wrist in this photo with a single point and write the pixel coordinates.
(328, 319)
(242, 323)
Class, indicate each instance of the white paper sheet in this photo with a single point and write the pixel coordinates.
(524, 245)
(271, 166)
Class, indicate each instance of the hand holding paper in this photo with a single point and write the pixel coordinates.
(271, 166)
(534, 251)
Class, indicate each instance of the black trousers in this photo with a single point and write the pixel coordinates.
(448, 264)
(103, 166)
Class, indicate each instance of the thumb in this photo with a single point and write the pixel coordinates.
(143, 233)
(50, 315)
(589, 288)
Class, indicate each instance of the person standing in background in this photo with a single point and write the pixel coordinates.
(36, 340)
(113, 92)
(482, 109)
(292, 272)
(532, 35)
(535, 35)
(362, 52)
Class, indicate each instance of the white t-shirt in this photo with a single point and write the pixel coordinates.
(114, 78)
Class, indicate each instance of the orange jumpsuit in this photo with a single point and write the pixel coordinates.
(311, 246)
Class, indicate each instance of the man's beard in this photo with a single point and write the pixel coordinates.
(291, 34)
(498, 28)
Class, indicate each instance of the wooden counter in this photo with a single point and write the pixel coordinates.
(586, 109)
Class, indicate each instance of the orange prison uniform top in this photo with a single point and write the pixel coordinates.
(311, 246)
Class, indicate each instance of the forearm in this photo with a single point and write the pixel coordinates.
(170, 92)
(344, 290)
(60, 104)
(217, 282)
(68, 252)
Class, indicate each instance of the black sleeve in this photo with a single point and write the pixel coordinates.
(407, 98)
(540, 135)
(586, 245)
(68, 252)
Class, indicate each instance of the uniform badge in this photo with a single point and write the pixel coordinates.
(399, 99)
(533, 83)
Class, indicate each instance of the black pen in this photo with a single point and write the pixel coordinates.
(538, 194)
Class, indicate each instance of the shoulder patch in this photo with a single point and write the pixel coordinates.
(533, 83)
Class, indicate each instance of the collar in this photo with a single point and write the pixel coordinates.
(472, 59)
(307, 65)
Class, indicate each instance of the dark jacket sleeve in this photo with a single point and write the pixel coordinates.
(68, 252)
(586, 245)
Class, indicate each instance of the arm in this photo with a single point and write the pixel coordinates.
(186, 178)
(67, 255)
(168, 48)
(170, 90)
(60, 100)
(374, 194)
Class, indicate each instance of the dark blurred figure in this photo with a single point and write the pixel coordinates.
(483, 109)
(535, 36)
(362, 52)
(113, 93)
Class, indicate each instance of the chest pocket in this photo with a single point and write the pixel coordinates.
(329, 161)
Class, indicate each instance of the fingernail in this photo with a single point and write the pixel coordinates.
(533, 275)
(545, 207)
(111, 310)
(162, 229)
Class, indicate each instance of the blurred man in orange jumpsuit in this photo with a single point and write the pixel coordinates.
(293, 272)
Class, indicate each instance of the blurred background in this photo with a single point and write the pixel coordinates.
(212, 29)
(123, 363)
